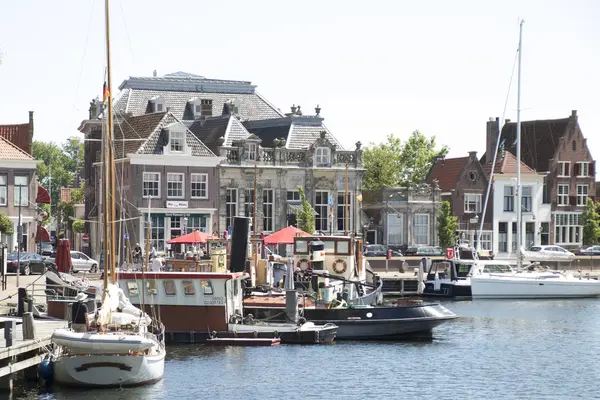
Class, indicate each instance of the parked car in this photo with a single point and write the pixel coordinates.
(379, 250)
(82, 262)
(29, 263)
(424, 251)
(548, 253)
(46, 249)
(589, 251)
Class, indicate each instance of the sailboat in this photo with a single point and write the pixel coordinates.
(533, 281)
(119, 349)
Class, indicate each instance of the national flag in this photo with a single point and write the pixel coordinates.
(105, 93)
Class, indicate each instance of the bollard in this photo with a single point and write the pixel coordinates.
(22, 295)
(28, 326)
(9, 331)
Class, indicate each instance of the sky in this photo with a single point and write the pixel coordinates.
(374, 67)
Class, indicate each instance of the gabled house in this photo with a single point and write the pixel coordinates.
(558, 150)
(463, 182)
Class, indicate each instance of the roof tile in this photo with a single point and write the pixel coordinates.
(9, 151)
(446, 172)
(17, 134)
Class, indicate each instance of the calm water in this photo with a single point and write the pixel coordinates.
(497, 349)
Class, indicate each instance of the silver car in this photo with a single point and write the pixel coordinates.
(82, 262)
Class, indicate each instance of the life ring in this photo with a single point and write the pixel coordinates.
(303, 262)
(336, 267)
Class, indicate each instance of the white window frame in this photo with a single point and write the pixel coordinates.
(268, 210)
(319, 208)
(177, 140)
(323, 156)
(395, 229)
(419, 225)
(24, 191)
(508, 197)
(471, 198)
(525, 197)
(295, 195)
(231, 203)
(486, 240)
(584, 165)
(568, 229)
(562, 195)
(251, 151)
(170, 181)
(146, 178)
(199, 179)
(341, 207)
(562, 171)
(4, 191)
(582, 197)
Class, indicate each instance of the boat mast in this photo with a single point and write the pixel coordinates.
(105, 197)
(519, 194)
(254, 231)
(346, 219)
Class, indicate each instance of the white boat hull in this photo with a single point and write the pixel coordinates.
(531, 288)
(104, 371)
(96, 343)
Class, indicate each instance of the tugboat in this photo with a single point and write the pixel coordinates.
(340, 294)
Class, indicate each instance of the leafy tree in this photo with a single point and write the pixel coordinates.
(382, 164)
(417, 157)
(591, 223)
(447, 225)
(305, 216)
(6, 225)
(78, 226)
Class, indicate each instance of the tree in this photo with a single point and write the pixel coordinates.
(591, 223)
(78, 226)
(447, 225)
(305, 216)
(400, 164)
(6, 225)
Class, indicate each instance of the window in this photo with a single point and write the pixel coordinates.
(574, 145)
(251, 151)
(230, 207)
(206, 105)
(564, 168)
(342, 217)
(395, 229)
(422, 229)
(486, 240)
(268, 200)
(158, 107)
(197, 223)
(177, 141)
(514, 236)
(582, 194)
(529, 235)
(526, 202)
(582, 169)
(207, 288)
(544, 233)
(472, 203)
(175, 185)
(342, 247)
(170, 289)
(199, 185)
(322, 155)
(188, 288)
(21, 190)
(249, 203)
(509, 198)
(321, 201)
(545, 192)
(157, 231)
(151, 184)
(568, 228)
(563, 195)
(3, 190)
(132, 288)
(503, 237)
(293, 195)
(197, 109)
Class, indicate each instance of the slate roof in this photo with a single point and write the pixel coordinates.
(214, 128)
(17, 134)
(9, 151)
(159, 138)
(447, 171)
(132, 128)
(539, 140)
(176, 89)
(507, 165)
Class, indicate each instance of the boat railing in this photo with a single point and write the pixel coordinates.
(371, 298)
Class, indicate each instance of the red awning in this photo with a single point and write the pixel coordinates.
(285, 236)
(43, 197)
(191, 238)
(42, 234)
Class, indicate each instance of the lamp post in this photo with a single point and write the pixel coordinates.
(19, 236)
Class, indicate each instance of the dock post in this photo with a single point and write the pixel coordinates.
(9, 332)
(6, 382)
(291, 305)
(22, 295)
(28, 326)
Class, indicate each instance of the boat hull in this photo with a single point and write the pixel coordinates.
(106, 371)
(288, 333)
(374, 323)
(448, 290)
(95, 343)
(524, 288)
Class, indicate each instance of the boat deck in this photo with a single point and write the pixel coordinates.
(244, 341)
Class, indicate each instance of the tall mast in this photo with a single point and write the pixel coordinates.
(346, 219)
(255, 247)
(105, 197)
(110, 254)
(519, 194)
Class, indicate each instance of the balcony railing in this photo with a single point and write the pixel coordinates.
(283, 156)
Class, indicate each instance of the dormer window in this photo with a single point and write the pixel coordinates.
(176, 141)
(251, 151)
(157, 104)
(206, 107)
(323, 156)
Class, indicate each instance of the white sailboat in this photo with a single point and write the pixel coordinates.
(122, 350)
(534, 281)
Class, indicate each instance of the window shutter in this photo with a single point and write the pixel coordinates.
(572, 200)
(577, 171)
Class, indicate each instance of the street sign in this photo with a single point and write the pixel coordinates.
(330, 201)
(85, 238)
(127, 236)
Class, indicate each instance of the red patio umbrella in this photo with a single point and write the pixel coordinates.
(285, 235)
(191, 238)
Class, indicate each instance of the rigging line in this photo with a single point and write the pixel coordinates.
(126, 31)
(491, 179)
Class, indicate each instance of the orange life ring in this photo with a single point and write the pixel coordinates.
(303, 261)
(338, 270)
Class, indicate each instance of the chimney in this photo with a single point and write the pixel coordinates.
(154, 74)
(574, 115)
(491, 135)
(473, 154)
(30, 129)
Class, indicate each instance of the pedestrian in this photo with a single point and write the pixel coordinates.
(79, 313)
(156, 264)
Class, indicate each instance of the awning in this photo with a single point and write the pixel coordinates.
(285, 235)
(191, 238)
(43, 197)
(42, 234)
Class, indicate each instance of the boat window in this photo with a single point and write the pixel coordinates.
(301, 247)
(188, 288)
(342, 247)
(462, 270)
(207, 287)
(236, 287)
(132, 288)
(494, 268)
(329, 246)
(170, 289)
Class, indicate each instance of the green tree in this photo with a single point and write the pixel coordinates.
(305, 216)
(447, 225)
(591, 223)
(6, 225)
(417, 157)
(78, 226)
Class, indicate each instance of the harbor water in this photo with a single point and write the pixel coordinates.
(496, 350)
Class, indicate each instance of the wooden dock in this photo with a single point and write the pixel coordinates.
(24, 354)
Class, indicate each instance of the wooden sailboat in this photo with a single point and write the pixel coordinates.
(119, 349)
